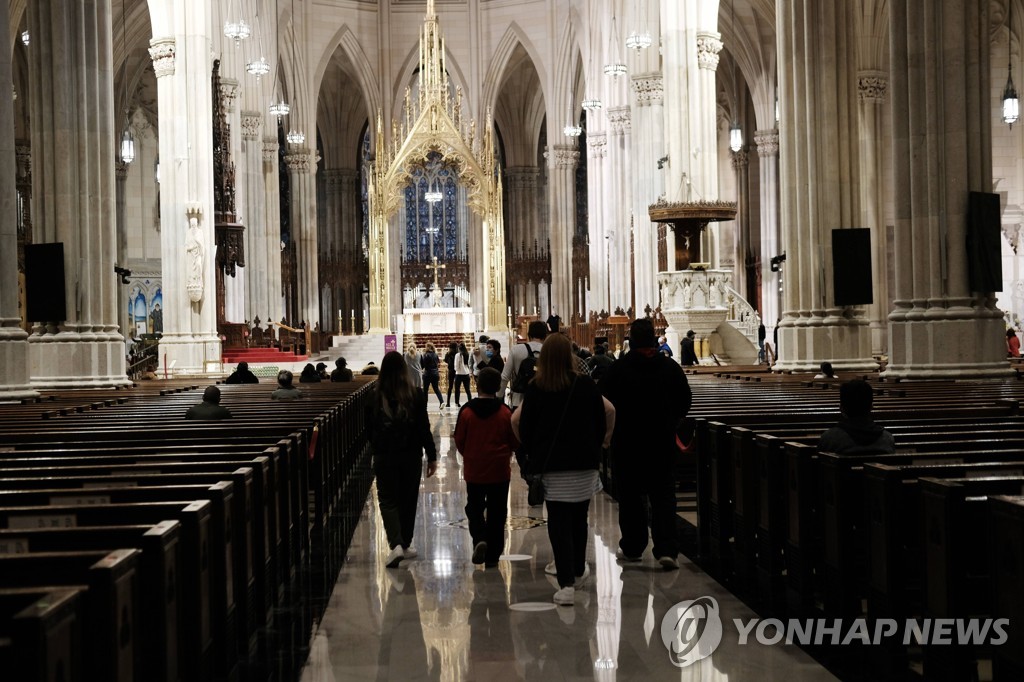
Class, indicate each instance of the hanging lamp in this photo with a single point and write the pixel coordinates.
(1011, 103)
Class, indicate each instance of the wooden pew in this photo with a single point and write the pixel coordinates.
(1006, 518)
(41, 633)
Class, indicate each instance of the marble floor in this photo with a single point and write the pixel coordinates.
(439, 617)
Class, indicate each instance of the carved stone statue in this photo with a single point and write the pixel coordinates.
(194, 254)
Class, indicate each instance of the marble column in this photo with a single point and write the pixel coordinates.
(330, 237)
(562, 160)
(939, 61)
(739, 242)
(14, 349)
(124, 320)
(648, 182)
(597, 196)
(872, 88)
(617, 229)
(820, 176)
(767, 142)
(183, 65)
(522, 206)
(251, 190)
(73, 141)
(271, 234)
(301, 174)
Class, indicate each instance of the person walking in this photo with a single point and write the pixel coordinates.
(399, 433)
(483, 435)
(449, 361)
(463, 369)
(522, 361)
(415, 363)
(651, 395)
(562, 424)
(432, 373)
(687, 352)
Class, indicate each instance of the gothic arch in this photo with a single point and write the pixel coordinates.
(406, 75)
(364, 75)
(514, 36)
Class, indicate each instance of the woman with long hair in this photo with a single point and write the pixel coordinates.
(449, 361)
(431, 372)
(563, 423)
(463, 368)
(399, 433)
(414, 360)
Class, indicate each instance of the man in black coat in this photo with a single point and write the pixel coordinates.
(687, 353)
(651, 395)
(242, 375)
(210, 409)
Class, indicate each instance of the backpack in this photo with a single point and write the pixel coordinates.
(527, 370)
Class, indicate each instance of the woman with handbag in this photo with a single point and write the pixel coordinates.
(563, 423)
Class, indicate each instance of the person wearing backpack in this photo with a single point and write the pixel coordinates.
(522, 363)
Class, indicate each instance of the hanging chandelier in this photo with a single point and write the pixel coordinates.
(735, 137)
(639, 41)
(572, 130)
(1011, 103)
(237, 30)
(591, 104)
(432, 196)
(258, 68)
(295, 137)
(279, 109)
(25, 38)
(127, 142)
(614, 68)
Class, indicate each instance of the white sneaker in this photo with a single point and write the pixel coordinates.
(582, 579)
(550, 569)
(395, 557)
(410, 553)
(668, 563)
(565, 596)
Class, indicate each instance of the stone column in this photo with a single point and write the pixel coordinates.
(617, 229)
(820, 190)
(271, 235)
(251, 187)
(562, 160)
(597, 196)
(183, 66)
(301, 174)
(648, 182)
(767, 142)
(73, 143)
(330, 237)
(739, 242)
(871, 96)
(939, 61)
(14, 349)
(124, 320)
(705, 133)
(522, 205)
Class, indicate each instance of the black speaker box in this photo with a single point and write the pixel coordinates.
(984, 243)
(851, 267)
(44, 283)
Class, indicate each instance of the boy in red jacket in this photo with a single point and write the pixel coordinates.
(483, 434)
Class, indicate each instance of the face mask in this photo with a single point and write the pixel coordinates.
(489, 353)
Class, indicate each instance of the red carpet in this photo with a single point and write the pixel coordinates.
(235, 355)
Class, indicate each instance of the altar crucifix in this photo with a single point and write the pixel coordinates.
(435, 291)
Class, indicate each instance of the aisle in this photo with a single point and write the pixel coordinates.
(438, 617)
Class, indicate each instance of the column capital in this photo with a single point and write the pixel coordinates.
(270, 149)
(709, 44)
(739, 159)
(228, 93)
(121, 170)
(767, 142)
(252, 124)
(597, 145)
(872, 86)
(162, 51)
(564, 155)
(620, 119)
(300, 160)
(648, 88)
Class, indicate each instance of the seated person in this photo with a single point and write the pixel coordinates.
(341, 371)
(285, 390)
(210, 408)
(309, 375)
(856, 433)
(242, 375)
(370, 369)
(321, 370)
(826, 371)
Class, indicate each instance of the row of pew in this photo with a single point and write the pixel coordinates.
(933, 531)
(136, 545)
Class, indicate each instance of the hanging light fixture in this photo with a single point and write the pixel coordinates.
(295, 137)
(614, 68)
(236, 29)
(25, 38)
(1011, 103)
(127, 141)
(638, 41)
(591, 104)
(735, 132)
(433, 196)
(258, 67)
(279, 109)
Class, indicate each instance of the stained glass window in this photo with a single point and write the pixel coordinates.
(431, 229)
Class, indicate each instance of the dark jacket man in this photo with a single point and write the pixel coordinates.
(242, 375)
(210, 408)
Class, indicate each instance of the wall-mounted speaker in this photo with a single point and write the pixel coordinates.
(44, 283)
(851, 267)
(984, 247)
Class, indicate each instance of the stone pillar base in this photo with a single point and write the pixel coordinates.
(808, 339)
(955, 343)
(14, 365)
(184, 354)
(77, 360)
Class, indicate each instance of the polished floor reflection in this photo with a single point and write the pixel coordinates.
(439, 617)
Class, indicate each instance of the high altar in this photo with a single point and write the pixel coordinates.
(437, 321)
